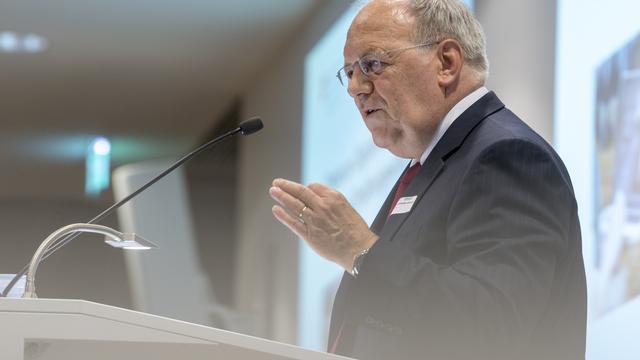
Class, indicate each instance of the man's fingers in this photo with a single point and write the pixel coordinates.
(289, 202)
(298, 191)
(289, 221)
(319, 189)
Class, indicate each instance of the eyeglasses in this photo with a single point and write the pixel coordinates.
(372, 64)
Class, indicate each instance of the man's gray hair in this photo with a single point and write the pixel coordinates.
(440, 19)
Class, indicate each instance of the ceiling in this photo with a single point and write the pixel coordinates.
(152, 75)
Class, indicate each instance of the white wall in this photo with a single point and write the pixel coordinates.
(521, 49)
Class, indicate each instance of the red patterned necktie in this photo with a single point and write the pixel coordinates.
(405, 180)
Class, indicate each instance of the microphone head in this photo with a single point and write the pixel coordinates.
(250, 126)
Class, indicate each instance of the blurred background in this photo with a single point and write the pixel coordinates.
(96, 96)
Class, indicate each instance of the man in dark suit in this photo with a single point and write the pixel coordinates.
(476, 253)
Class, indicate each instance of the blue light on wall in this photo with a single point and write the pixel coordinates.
(97, 166)
(16, 43)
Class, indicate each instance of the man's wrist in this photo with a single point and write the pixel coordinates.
(358, 259)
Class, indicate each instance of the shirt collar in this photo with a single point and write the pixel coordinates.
(451, 116)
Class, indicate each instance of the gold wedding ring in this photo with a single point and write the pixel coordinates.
(301, 214)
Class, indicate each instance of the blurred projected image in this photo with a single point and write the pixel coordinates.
(618, 177)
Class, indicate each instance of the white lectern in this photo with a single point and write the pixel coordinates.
(52, 329)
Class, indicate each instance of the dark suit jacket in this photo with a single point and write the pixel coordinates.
(486, 265)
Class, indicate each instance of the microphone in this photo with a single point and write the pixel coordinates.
(247, 127)
(250, 126)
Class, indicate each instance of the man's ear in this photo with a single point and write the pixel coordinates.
(451, 57)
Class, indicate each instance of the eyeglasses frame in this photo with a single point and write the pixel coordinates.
(386, 52)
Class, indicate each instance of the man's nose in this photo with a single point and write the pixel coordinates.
(359, 83)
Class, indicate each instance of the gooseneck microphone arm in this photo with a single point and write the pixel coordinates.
(245, 128)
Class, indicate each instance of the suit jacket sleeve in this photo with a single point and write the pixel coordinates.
(507, 231)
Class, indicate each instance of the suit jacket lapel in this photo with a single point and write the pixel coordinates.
(381, 218)
(466, 122)
(428, 172)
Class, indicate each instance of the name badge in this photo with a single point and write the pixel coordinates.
(404, 205)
